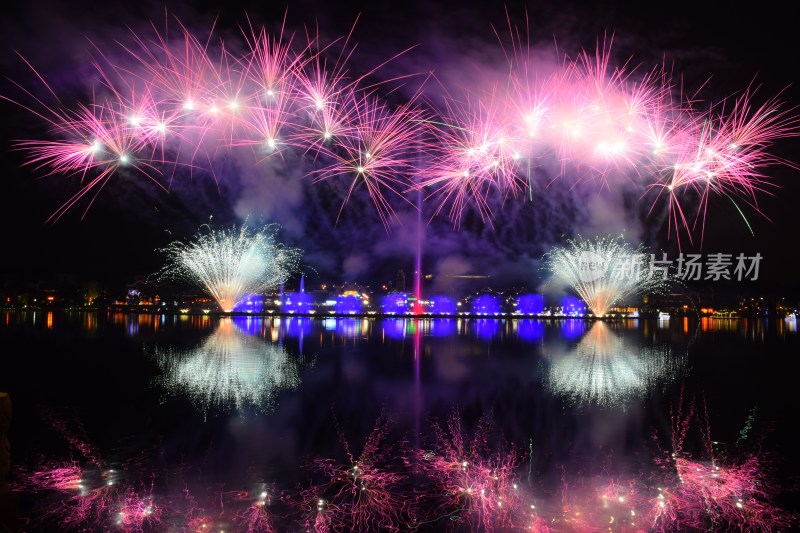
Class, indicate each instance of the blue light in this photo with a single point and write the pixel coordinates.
(348, 305)
(298, 302)
(486, 305)
(249, 325)
(530, 329)
(572, 329)
(298, 326)
(442, 305)
(252, 303)
(572, 306)
(395, 303)
(486, 328)
(443, 327)
(348, 327)
(530, 304)
(395, 328)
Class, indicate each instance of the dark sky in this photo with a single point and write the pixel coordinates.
(115, 240)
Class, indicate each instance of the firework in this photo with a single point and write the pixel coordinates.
(710, 488)
(379, 154)
(168, 103)
(361, 494)
(230, 264)
(605, 271)
(230, 369)
(460, 482)
(724, 153)
(606, 369)
(471, 479)
(612, 126)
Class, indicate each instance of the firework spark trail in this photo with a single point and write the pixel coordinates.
(724, 152)
(229, 264)
(470, 479)
(181, 103)
(472, 156)
(381, 154)
(710, 489)
(461, 479)
(361, 494)
(605, 271)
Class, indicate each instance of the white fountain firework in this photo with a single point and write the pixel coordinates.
(231, 263)
(605, 368)
(229, 370)
(605, 271)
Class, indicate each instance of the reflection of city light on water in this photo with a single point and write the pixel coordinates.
(230, 369)
(606, 368)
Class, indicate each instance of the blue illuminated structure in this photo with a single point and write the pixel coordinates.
(572, 306)
(300, 302)
(395, 303)
(252, 303)
(348, 305)
(486, 304)
(530, 304)
(442, 305)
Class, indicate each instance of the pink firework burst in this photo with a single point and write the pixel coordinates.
(362, 494)
(724, 153)
(477, 153)
(480, 484)
(712, 490)
(379, 154)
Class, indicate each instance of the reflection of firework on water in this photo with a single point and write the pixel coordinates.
(605, 271)
(62, 477)
(474, 483)
(605, 368)
(711, 490)
(459, 482)
(230, 264)
(364, 494)
(230, 369)
(256, 517)
(74, 496)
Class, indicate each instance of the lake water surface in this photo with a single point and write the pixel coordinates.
(126, 422)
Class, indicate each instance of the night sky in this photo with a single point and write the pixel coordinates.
(726, 49)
